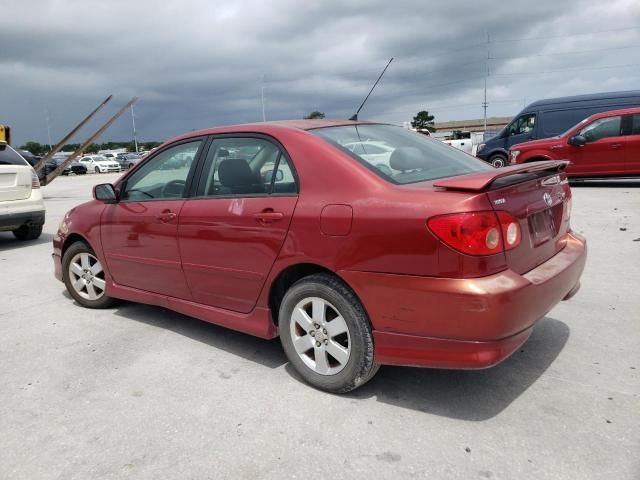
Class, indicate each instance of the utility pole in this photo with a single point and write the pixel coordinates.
(484, 103)
(264, 117)
(133, 123)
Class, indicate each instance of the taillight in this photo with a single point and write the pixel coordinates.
(510, 227)
(35, 182)
(477, 233)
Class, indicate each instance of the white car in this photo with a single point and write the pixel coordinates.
(375, 152)
(21, 206)
(99, 164)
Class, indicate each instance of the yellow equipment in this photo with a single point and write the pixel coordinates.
(5, 134)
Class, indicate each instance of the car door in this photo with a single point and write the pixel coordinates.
(632, 154)
(139, 233)
(604, 152)
(232, 230)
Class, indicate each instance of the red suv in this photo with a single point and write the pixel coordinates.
(420, 255)
(602, 145)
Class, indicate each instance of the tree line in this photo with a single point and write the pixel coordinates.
(38, 148)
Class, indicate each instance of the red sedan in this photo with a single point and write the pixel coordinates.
(411, 253)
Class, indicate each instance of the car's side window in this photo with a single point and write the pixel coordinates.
(524, 124)
(163, 176)
(244, 166)
(635, 127)
(602, 128)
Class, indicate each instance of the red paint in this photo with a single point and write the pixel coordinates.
(609, 156)
(216, 258)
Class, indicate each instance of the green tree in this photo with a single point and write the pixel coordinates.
(35, 147)
(314, 115)
(93, 148)
(423, 121)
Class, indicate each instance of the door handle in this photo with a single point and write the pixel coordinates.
(616, 146)
(166, 216)
(268, 216)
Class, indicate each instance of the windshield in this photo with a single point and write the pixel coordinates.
(400, 155)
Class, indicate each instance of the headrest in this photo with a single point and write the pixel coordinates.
(407, 158)
(235, 172)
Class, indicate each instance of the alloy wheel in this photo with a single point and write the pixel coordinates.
(87, 276)
(320, 336)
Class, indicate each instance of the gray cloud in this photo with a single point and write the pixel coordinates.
(196, 63)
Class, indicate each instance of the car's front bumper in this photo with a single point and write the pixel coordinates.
(463, 323)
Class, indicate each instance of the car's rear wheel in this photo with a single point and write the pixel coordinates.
(28, 232)
(498, 161)
(326, 334)
(84, 276)
(97, 169)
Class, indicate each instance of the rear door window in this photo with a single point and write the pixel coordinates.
(635, 125)
(8, 156)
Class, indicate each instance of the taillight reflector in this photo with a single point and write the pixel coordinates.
(35, 182)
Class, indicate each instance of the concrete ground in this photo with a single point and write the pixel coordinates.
(143, 393)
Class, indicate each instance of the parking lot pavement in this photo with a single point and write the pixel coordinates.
(140, 392)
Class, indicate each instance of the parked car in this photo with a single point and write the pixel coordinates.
(548, 118)
(446, 263)
(74, 168)
(99, 164)
(22, 209)
(602, 145)
(30, 157)
(128, 160)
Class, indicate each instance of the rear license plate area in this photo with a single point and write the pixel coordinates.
(7, 179)
(541, 226)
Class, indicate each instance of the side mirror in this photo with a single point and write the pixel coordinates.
(105, 192)
(577, 141)
(268, 176)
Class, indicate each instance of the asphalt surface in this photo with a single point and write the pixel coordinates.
(143, 393)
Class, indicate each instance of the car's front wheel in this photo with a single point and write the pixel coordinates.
(498, 161)
(97, 169)
(84, 276)
(326, 334)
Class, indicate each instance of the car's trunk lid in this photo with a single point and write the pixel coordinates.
(15, 182)
(537, 195)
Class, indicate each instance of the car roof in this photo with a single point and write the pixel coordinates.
(273, 127)
(583, 98)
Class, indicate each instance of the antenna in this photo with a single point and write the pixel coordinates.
(355, 117)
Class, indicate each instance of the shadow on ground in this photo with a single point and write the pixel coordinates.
(9, 242)
(265, 352)
(466, 395)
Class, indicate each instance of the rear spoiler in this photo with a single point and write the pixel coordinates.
(482, 180)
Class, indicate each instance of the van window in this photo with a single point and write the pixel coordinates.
(602, 128)
(523, 124)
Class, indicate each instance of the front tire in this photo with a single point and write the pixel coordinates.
(97, 169)
(28, 232)
(498, 160)
(326, 334)
(84, 276)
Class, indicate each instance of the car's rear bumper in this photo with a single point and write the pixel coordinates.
(463, 323)
(15, 220)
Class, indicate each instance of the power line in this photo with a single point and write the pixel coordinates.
(562, 53)
(566, 35)
(604, 67)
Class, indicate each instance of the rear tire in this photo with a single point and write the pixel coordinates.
(498, 160)
(28, 232)
(326, 334)
(84, 276)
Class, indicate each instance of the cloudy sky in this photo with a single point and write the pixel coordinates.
(198, 63)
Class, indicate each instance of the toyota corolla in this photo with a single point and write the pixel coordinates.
(280, 229)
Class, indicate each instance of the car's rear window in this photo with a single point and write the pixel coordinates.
(400, 155)
(8, 156)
